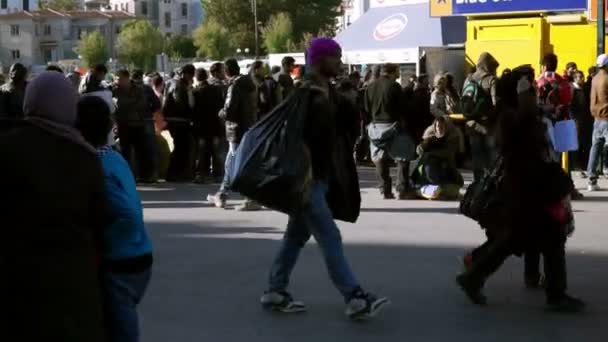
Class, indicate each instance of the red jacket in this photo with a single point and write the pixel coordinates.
(557, 105)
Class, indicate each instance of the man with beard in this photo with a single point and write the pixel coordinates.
(13, 93)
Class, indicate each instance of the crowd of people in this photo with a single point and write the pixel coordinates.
(84, 262)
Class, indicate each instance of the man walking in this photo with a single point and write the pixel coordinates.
(178, 105)
(599, 110)
(130, 108)
(320, 135)
(13, 93)
(240, 113)
(384, 104)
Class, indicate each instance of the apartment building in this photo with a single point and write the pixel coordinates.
(172, 17)
(11, 6)
(46, 36)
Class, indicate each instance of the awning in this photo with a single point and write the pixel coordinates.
(400, 30)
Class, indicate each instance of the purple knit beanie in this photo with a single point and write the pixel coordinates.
(321, 47)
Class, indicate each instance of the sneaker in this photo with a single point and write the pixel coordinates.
(218, 200)
(474, 293)
(249, 206)
(584, 175)
(388, 195)
(365, 305)
(282, 302)
(566, 304)
(593, 187)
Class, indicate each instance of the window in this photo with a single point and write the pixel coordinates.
(167, 19)
(4, 4)
(14, 30)
(184, 10)
(26, 5)
(47, 30)
(16, 54)
(117, 29)
(144, 8)
(127, 7)
(184, 29)
(116, 7)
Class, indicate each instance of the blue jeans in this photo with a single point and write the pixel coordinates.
(225, 186)
(315, 220)
(122, 294)
(482, 151)
(600, 137)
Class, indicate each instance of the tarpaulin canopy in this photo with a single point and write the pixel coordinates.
(404, 28)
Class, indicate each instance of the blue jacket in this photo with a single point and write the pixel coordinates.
(125, 237)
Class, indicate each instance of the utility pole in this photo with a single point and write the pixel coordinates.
(601, 27)
(254, 8)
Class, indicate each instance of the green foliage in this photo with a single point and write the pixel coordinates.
(305, 15)
(212, 40)
(93, 49)
(182, 46)
(139, 43)
(61, 5)
(278, 33)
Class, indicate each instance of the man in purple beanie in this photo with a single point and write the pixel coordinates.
(320, 134)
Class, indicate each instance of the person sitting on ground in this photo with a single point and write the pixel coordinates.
(436, 176)
(127, 257)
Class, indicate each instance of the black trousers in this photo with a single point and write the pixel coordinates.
(488, 258)
(180, 163)
(134, 147)
(209, 160)
(383, 171)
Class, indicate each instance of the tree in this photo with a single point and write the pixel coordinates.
(305, 15)
(212, 40)
(278, 33)
(139, 43)
(93, 49)
(60, 5)
(182, 46)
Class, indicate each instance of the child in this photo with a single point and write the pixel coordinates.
(127, 254)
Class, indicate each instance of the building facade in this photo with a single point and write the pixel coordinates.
(11, 6)
(351, 11)
(47, 36)
(172, 17)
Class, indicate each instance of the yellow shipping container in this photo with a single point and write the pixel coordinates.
(517, 41)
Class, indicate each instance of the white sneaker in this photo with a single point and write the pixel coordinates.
(365, 306)
(593, 187)
(249, 206)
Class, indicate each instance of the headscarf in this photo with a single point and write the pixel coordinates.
(320, 48)
(50, 104)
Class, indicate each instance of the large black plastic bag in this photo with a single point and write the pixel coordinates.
(483, 193)
(272, 164)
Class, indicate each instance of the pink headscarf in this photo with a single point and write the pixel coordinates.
(320, 48)
(50, 103)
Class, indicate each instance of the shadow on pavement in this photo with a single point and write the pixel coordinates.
(207, 280)
(413, 210)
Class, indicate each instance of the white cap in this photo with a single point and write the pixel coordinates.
(602, 60)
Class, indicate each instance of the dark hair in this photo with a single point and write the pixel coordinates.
(571, 65)
(232, 67)
(138, 74)
(54, 67)
(216, 68)
(94, 120)
(579, 72)
(157, 80)
(123, 73)
(592, 70)
(390, 69)
(101, 68)
(188, 69)
(355, 75)
(376, 69)
(288, 60)
(256, 65)
(201, 75)
(550, 62)
(275, 69)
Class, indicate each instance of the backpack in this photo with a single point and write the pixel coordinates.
(549, 92)
(475, 101)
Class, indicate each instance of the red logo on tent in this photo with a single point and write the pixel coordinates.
(390, 27)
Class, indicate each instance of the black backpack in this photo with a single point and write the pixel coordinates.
(475, 101)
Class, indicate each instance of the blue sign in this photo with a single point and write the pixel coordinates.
(467, 7)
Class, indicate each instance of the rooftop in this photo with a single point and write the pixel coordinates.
(50, 13)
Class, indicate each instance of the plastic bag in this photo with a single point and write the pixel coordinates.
(566, 136)
(272, 164)
(482, 193)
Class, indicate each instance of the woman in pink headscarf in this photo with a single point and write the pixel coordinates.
(52, 206)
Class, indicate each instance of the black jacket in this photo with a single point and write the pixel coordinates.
(384, 101)
(177, 107)
(208, 100)
(286, 83)
(131, 106)
(11, 101)
(240, 108)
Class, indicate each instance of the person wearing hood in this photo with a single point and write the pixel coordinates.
(442, 103)
(13, 93)
(481, 130)
(53, 196)
(436, 175)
